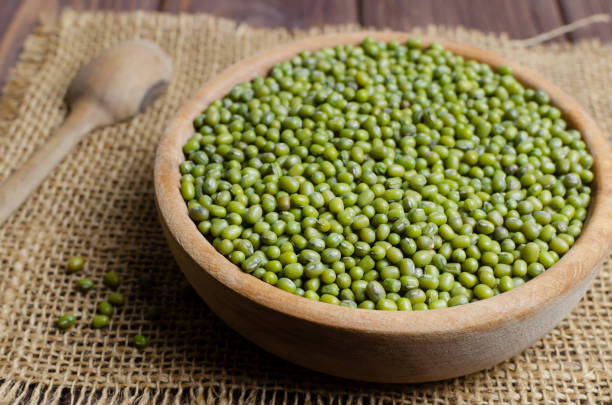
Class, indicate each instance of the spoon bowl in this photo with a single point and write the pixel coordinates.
(113, 87)
(123, 79)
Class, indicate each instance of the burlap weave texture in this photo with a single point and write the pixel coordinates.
(99, 203)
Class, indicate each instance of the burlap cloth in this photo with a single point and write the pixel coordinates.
(99, 203)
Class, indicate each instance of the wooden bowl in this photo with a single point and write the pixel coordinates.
(379, 345)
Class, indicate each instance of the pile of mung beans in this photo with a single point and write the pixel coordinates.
(387, 176)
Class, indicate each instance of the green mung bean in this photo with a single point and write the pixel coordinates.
(75, 264)
(100, 321)
(140, 341)
(387, 176)
(112, 279)
(85, 284)
(66, 321)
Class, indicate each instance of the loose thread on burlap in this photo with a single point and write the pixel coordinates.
(564, 29)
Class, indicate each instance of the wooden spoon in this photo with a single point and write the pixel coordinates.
(116, 85)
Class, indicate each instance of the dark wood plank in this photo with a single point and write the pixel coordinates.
(16, 26)
(111, 5)
(519, 18)
(274, 13)
(573, 10)
(7, 10)
(17, 19)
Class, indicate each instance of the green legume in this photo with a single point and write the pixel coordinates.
(140, 342)
(85, 284)
(286, 284)
(457, 300)
(429, 282)
(482, 291)
(188, 191)
(375, 291)
(270, 277)
(403, 304)
(75, 264)
(506, 284)
(105, 308)
(116, 298)
(329, 299)
(535, 269)
(437, 304)
(387, 176)
(112, 279)
(531, 252)
(386, 304)
(66, 321)
(99, 321)
(559, 245)
(469, 280)
(445, 282)
(367, 304)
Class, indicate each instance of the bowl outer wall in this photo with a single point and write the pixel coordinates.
(375, 345)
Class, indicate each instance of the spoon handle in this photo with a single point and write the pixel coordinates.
(84, 116)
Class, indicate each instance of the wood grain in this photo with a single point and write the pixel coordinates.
(17, 26)
(19, 17)
(275, 13)
(110, 5)
(384, 346)
(573, 10)
(518, 18)
(7, 8)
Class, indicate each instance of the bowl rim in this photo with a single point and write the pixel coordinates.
(576, 267)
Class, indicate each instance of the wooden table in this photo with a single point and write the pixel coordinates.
(518, 18)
